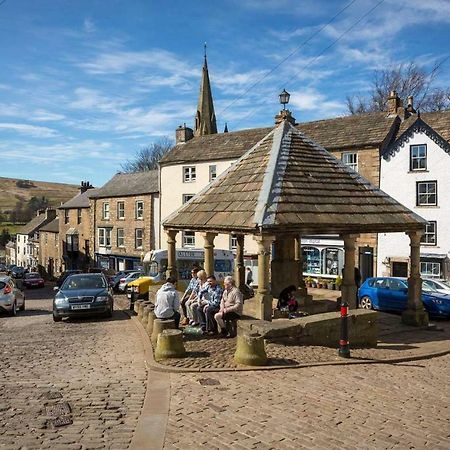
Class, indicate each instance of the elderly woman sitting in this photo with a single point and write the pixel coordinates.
(230, 308)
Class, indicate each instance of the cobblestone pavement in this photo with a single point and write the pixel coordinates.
(402, 406)
(95, 365)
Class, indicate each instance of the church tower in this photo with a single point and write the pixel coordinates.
(205, 119)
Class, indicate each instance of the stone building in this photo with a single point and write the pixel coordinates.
(50, 249)
(75, 230)
(10, 253)
(125, 220)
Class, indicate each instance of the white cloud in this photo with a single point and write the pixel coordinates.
(89, 26)
(31, 130)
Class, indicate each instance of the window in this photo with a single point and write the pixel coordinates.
(72, 242)
(430, 269)
(311, 260)
(78, 216)
(66, 216)
(104, 237)
(121, 210)
(187, 197)
(418, 157)
(106, 211)
(188, 239)
(426, 193)
(139, 210)
(212, 172)
(120, 238)
(233, 242)
(138, 237)
(351, 160)
(189, 174)
(429, 237)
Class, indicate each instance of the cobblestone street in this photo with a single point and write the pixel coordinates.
(353, 407)
(94, 365)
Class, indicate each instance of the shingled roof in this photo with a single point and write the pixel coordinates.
(51, 227)
(288, 183)
(364, 130)
(128, 184)
(35, 224)
(80, 200)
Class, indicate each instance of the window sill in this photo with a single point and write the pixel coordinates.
(418, 171)
(428, 206)
(189, 181)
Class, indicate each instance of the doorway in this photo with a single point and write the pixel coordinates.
(366, 262)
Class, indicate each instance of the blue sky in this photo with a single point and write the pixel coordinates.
(85, 83)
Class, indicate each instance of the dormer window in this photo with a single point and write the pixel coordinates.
(418, 157)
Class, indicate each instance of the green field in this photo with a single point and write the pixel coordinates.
(11, 227)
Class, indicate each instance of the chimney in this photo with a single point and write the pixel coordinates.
(284, 114)
(183, 134)
(50, 213)
(394, 104)
(84, 186)
(410, 107)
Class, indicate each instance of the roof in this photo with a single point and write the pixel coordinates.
(35, 224)
(438, 121)
(127, 184)
(364, 130)
(80, 200)
(288, 183)
(51, 227)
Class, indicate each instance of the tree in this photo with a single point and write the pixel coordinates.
(37, 203)
(147, 158)
(5, 237)
(405, 79)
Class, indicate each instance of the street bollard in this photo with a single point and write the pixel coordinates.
(344, 348)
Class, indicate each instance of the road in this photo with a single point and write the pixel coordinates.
(90, 372)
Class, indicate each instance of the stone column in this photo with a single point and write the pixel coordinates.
(209, 252)
(171, 254)
(263, 296)
(415, 313)
(349, 288)
(302, 289)
(239, 268)
(284, 270)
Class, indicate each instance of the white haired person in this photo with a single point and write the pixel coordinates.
(230, 308)
(196, 295)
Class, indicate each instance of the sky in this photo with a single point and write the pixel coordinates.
(84, 84)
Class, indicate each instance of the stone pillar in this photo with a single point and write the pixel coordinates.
(284, 267)
(415, 313)
(302, 291)
(171, 254)
(209, 252)
(349, 288)
(263, 296)
(239, 268)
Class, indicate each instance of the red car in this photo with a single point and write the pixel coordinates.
(33, 279)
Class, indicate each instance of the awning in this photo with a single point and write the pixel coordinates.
(71, 231)
(434, 255)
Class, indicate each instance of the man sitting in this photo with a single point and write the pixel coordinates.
(168, 302)
(208, 305)
(230, 308)
(187, 293)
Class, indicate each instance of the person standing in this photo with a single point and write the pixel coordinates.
(249, 277)
(168, 302)
(230, 308)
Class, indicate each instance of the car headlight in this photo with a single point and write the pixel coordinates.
(61, 301)
(102, 298)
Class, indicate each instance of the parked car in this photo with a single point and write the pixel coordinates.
(2, 267)
(33, 279)
(64, 275)
(82, 294)
(123, 282)
(18, 272)
(441, 286)
(117, 277)
(391, 294)
(11, 297)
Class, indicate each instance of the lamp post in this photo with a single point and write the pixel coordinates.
(284, 98)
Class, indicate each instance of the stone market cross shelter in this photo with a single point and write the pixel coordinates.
(284, 187)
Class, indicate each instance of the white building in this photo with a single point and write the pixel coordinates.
(415, 171)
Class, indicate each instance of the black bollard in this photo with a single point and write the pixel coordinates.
(132, 299)
(344, 348)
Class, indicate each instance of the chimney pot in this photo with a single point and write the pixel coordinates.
(183, 134)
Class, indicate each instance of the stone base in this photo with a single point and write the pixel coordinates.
(170, 345)
(250, 350)
(415, 318)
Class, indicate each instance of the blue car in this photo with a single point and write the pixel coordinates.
(391, 294)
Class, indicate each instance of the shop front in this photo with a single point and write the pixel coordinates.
(322, 257)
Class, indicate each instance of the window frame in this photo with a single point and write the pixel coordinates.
(353, 166)
(418, 183)
(411, 158)
(427, 233)
(430, 274)
(121, 209)
(191, 234)
(191, 175)
(233, 242)
(141, 210)
(106, 237)
(106, 212)
(138, 247)
(79, 213)
(66, 216)
(184, 198)
(120, 245)
(212, 171)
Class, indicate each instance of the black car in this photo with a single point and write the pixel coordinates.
(18, 272)
(65, 274)
(83, 294)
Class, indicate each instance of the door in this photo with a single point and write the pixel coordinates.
(400, 269)
(366, 262)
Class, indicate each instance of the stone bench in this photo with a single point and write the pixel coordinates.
(150, 319)
(159, 325)
(145, 313)
(170, 344)
(141, 307)
(136, 306)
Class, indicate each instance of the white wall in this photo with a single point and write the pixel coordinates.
(22, 247)
(397, 181)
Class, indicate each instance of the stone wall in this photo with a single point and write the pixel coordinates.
(50, 254)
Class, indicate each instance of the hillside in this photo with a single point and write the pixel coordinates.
(13, 190)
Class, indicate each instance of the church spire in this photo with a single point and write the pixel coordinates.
(205, 119)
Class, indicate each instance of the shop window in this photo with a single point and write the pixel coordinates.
(332, 260)
(311, 260)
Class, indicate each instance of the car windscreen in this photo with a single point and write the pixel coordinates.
(74, 282)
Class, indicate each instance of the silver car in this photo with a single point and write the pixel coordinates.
(11, 297)
(123, 283)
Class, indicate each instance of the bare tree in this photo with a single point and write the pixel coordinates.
(147, 158)
(405, 79)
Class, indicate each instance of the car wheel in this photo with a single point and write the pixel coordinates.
(13, 311)
(365, 302)
(56, 318)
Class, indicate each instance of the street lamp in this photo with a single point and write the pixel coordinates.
(284, 98)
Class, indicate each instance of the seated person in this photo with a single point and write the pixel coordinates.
(168, 302)
(198, 291)
(208, 305)
(187, 293)
(287, 300)
(230, 309)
